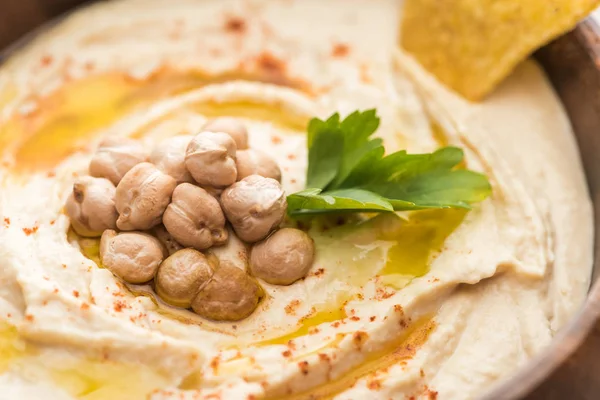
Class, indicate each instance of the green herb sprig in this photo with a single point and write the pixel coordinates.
(348, 172)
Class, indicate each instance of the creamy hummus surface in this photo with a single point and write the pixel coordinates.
(429, 304)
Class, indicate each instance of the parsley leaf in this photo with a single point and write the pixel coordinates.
(323, 160)
(347, 171)
(356, 200)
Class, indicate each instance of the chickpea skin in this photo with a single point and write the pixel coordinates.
(91, 206)
(115, 157)
(169, 157)
(231, 126)
(210, 158)
(283, 258)
(231, 295)
(234, 252)
(167, 240)
(255, 162)
(254, 206)
(194, 218)
(142, 197)
(132, 256)
(181, 276)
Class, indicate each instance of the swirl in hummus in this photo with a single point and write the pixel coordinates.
(437, 303)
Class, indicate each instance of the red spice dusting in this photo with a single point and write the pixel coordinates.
(75, 293)
(292, 306)
(29, 231)
(432, 394)
(372, 318)
(319, 272)
(422, 373)
(358, 338)
(336, 324)
(340, 50)
(374, 384)
(291, 345)
(291, 156)
(355, 318)
(214, 363)
(46, 60)
(235, 25)
(403, 323)
(292, 180)
(119, 305)
(271, 64)
(264, 384)
(51, 174)
(324, 357)
(303, 367)
(55, 290)
(398, 308)
(64, 266)
(250, 397)
(52, 222)
(275, 139)
(85, 306)
(382, 294)
(364, 74)
(287, 353)
(6, 222)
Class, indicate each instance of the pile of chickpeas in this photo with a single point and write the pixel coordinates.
(160, 214)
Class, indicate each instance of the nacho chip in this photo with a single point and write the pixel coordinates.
(471, 45)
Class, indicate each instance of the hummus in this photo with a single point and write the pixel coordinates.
(424, 304)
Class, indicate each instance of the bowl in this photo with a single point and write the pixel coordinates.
(572, 63)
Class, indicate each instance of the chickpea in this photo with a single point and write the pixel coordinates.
(214, 192)
(282, 258)
(234, 252)
(91, 206)
(230, 295)
(142, 197)
(115, 157)
(169, 157)
(181, 276)
(132, 256)
(231, 126)
(210, 158)
(255, 206)
(255, 162)
(194, 218)
(166, 239)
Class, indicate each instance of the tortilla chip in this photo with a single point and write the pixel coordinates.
(471, 45)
